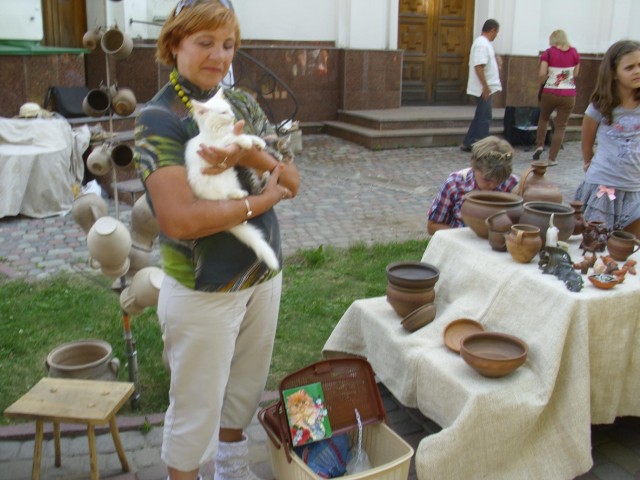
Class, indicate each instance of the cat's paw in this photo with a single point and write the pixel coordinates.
(259, 142)
(237, 194)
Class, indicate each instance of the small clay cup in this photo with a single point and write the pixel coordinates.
(116, 43)
(124, 102)
(523, 242)
(99, 160)
(91, 39)
(122, 155)
(97, 102)
(497, 241)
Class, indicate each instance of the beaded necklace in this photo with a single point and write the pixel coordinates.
(173, 76)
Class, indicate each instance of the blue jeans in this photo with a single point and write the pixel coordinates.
(481, 122)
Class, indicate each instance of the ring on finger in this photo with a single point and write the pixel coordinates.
(223, 163)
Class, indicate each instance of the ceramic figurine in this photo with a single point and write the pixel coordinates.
(556, 261)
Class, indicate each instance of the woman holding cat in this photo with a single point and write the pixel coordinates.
(218, 336)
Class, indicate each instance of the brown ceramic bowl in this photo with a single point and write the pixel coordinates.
(457, 330)
(419, 317)
(412, 274)
(604, 281)
(493, 354)
(478, 205)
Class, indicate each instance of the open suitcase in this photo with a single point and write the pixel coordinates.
(348, 384)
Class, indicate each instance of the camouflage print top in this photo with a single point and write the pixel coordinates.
(163, 127)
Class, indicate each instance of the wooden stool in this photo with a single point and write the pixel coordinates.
(73, 401)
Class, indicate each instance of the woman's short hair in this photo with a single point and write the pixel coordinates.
(207, 15)
(492, 157)
(559, 38)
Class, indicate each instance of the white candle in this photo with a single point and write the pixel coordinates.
(552, 234)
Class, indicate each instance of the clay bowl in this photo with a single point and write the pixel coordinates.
(604, 281)
(419, 317)
(412, 274)
(406, 300)
(459, 329)
(493, 354)
(478, 205)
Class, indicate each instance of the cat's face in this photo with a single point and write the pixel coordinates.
(214, 113)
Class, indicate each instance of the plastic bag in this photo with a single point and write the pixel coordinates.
(360, 460)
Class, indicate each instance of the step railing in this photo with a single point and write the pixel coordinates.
(274, 95)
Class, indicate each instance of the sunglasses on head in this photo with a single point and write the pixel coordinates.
(188, 3)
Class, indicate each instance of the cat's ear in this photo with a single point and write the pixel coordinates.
(219, 94)
(198, 107)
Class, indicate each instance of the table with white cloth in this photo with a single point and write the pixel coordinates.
(40, 160)
(583, 365)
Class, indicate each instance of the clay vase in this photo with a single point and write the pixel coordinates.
(534, 186)
(99, 160)
(497, 240)
(622, 244)
(478, 205)
(84, 359)
(406, 300)
(116, 43)
(144, 225)
(124, 102)
(538, 213)
(523, 242)
(579, 223)
(109, 244)
(87, 208)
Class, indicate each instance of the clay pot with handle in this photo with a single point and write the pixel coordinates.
(622, 244)
(523, 242)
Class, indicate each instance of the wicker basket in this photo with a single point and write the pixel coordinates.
(347, 383)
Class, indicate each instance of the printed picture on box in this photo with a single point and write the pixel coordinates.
(307, 414)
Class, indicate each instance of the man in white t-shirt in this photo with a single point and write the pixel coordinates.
(484, 81)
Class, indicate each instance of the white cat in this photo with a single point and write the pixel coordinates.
(216, 120)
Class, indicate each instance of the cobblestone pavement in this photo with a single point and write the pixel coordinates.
(348, 194)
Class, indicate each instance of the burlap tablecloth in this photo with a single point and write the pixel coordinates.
(40, 159)
(583, 365)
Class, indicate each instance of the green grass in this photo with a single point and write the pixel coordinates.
(319, 285)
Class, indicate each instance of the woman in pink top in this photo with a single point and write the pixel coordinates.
(559, 66)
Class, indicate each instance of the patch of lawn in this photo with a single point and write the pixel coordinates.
(319, 285)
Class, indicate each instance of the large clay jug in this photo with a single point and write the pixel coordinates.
(621, 244)
(523, 242)
(535, 186)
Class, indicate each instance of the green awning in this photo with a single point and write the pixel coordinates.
(29, 47)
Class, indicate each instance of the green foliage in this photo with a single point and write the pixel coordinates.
(319, 285)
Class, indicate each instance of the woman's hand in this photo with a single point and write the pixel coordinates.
(222, 158)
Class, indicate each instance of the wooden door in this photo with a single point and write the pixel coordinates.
(436, 36)
(64, 22)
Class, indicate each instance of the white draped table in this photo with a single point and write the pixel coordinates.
(583, 365)
(38, 166)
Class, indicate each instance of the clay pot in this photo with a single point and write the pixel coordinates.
(539, 214)
(109, 244)
(97, 102)
(87, 208)
(622, 244)
(534, 186)
(99, 160)
(84, 359)
(124, 102)
(116, 43)
(478, 205)
(144, 225)
(139, 258)
(523, 242)
(499, 222)
(122, 155)
(497, 241)
(143, 291)
(579, 223)
(406, 300)
(91, 39)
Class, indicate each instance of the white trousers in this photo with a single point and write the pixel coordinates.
(219, 348)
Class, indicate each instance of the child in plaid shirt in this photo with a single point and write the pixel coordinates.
(490, 170)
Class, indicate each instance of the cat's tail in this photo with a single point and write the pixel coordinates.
(252, 237)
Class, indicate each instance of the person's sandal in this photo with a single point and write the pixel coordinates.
(552, 163)
(537, 153)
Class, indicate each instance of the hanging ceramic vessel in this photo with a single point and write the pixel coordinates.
(534, 186)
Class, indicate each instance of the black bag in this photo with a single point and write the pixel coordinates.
(521, 125)
(67, 101)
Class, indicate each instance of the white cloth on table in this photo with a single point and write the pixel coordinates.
(583, 365)
(40, 159)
